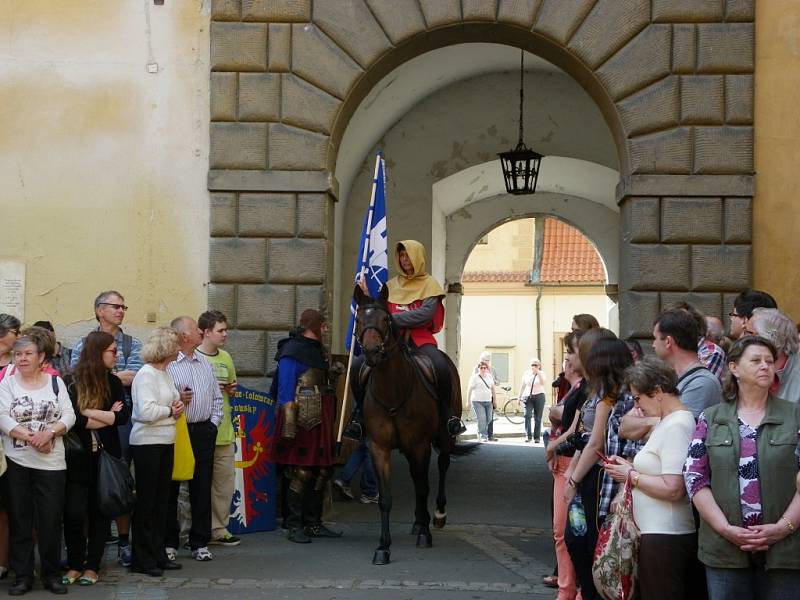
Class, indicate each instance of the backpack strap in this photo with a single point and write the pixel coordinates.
(127, 345)
(54, 382)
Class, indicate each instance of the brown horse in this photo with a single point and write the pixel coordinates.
(400, 412)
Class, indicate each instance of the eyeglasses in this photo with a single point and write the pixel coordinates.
(733, 314)
(111, 351)
(115, 306)
(534, 364)
(636, 399)
(14, 331)
(483, 367)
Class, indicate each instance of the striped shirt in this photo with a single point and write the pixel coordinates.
(195, 372)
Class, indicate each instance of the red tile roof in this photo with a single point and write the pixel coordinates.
(569, 256)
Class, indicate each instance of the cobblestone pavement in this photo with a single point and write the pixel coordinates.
(497, 541)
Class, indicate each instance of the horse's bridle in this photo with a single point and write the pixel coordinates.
(383, 336)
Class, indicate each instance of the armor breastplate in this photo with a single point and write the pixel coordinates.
(308, 396)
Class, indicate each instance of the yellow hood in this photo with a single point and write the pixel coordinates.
(405, 289)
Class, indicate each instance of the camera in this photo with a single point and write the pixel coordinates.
(576, 441)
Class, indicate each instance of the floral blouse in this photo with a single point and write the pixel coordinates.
(697, 471)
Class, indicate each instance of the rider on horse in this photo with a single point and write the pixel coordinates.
(304, 424)
(417, 309)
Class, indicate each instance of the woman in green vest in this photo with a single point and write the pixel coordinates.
(740, 474)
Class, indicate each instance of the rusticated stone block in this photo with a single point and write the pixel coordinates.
(739, 99)
(222, 221)
(655, 107)
(691, 220)
(296, 149)
(249, 348)
(273, 337)
(642, 61)
(276, 11)
(238, 146)
(400, 19)
(709, 304)
(259, 97)
(608, 28)
(440, 12)
(721, 268)
(663, 152)
(306, 106)
(657, 266)
(238, 47)
(518, 12)
(740, 10)
(308, 296)
(266, 215)
(316, 58)
(738, 220)
(723, 150)
(297, 261)
(641, 219)
(684, 48)
(479, 10)
(725, 48)
(641, 310)
(687, 11)
(702, 100)
(559, 19)
(225, 10)
(312, 215)
(350, 24)
(233, 260)
(223, 96)
(265, 307)
(279, 57)
(222, 297)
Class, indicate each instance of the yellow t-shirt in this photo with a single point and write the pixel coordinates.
(225, 372)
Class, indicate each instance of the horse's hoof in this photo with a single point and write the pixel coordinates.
(381, 557)
(439, 519)
(424, 539)
(416, 528)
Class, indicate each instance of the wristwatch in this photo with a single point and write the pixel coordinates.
(51, 430)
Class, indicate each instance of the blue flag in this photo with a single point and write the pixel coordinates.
(373, 260)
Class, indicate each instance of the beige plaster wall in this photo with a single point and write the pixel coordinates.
(509, 247)
(102, 164)
(776, 217)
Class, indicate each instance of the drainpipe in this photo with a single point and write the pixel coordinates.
(538, 323)
(536, 277)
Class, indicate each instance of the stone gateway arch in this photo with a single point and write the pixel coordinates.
(672, 79)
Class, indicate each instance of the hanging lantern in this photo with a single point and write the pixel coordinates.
(520, 165)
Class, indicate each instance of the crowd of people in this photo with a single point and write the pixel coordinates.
(705, 430)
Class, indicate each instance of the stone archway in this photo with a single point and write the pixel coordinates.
(674, 81)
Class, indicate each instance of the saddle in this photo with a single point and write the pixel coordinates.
(422, 364)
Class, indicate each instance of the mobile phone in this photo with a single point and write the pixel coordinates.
(601, 456)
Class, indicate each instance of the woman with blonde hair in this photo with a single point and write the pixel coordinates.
(156, 406)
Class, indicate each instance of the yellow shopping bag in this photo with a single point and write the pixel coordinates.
(183, 467)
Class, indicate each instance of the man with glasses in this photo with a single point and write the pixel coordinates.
(743, 307)
(109, 310)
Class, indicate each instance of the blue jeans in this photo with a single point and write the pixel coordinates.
(534, 407)
(483, 412)
(361, 455)
(752, 583)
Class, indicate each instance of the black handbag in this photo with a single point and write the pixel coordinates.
(116, 494)
(73, 446)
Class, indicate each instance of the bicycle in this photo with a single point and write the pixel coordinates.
(513, 409)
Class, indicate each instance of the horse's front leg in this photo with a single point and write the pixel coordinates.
(381, 460)
(418, 462)
(440, 514)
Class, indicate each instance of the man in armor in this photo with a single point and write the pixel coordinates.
(304, 437)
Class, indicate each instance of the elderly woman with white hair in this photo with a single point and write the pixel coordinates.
(531, 392)
(774, 325)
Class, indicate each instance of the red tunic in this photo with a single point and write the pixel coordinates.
(422, 335)
(310, 447)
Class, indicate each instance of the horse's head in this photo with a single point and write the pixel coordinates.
(373, 325)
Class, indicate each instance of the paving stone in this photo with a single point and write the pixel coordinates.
(234, 260)
(518, 12)
(265, 307)
(238, 146)
(702, 100)
(610, 25)
(644, 60)
(559, 19)
(296, 149)
(350, 24)
(316, 58)
(222, 208)
(400, 19)
(655, 107)
(663, 152)
(275, 11)
(691, 220)
(259, 97)
(689, 11)
(738, 220)
(223, 96)
(725, 47)
(238, 47)
(723, 150)
(297, 261)
(440, 12)
(279, 57)
(721, 268)
(306, 106)
(265, 215)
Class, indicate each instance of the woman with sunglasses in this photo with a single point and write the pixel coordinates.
(480, 393)
(531, 392)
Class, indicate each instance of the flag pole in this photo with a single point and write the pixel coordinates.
(364, 255)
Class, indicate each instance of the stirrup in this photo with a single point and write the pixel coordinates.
(455, 426)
